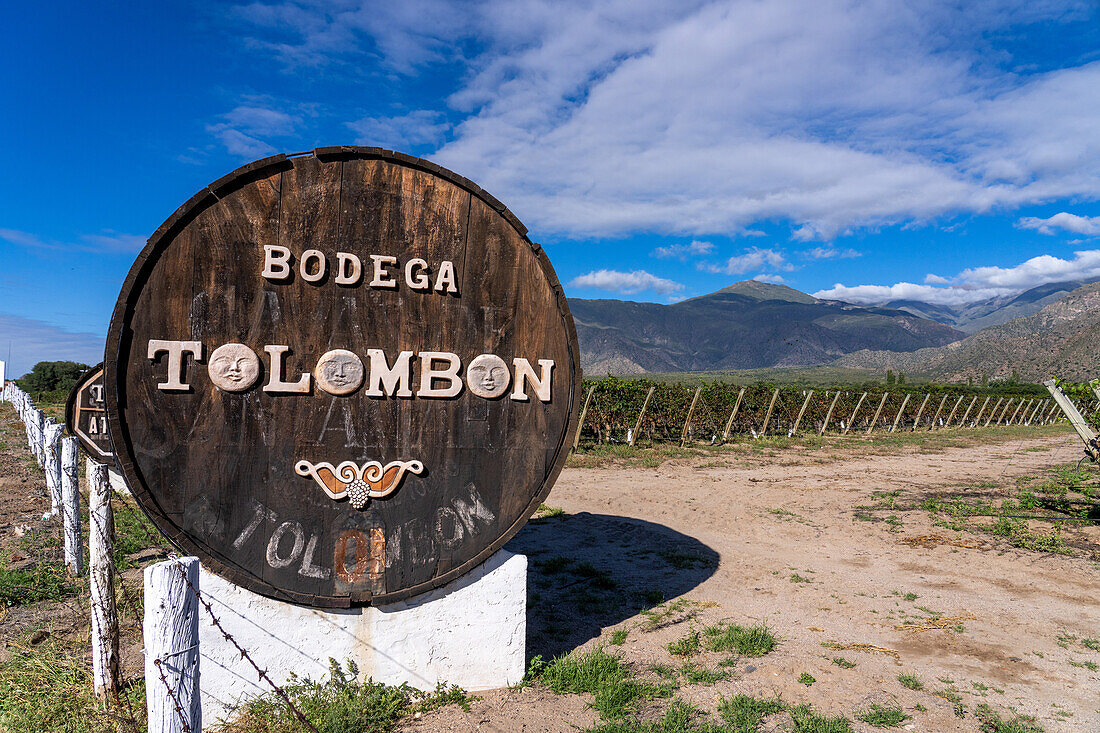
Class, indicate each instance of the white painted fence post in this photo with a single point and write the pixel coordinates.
(101, 572)
(70, 503)
(51, 449)
(171, 630)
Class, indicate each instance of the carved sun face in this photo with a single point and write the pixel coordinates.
(487, 376)
(339, 372)
(234, 367)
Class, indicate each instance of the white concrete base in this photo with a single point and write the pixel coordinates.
(471, 633)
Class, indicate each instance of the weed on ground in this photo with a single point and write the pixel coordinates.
(340, 703)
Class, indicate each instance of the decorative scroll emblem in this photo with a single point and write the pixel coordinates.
(359, 484)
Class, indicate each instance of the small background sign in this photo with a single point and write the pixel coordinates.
(86, 415)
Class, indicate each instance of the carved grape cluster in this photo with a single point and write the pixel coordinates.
(358, 493)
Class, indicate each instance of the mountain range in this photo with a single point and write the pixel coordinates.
(746, 325)
(973, 317)
(1062, 339)
(752, 324)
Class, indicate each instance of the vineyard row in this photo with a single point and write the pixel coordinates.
(620, 411)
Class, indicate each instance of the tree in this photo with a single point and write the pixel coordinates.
(51, 376)
(889, 377)
(901, 378)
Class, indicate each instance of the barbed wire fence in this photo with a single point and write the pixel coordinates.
(169, 610)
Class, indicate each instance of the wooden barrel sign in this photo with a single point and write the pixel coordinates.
(341, 378)
(86, 415)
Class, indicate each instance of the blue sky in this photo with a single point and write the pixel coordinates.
(658, 150)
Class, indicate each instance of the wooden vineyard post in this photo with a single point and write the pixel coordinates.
(798, 420)
(691, 411)
(1076, 419)
(1030, 412)
(920, 411)
(829, 414)
(729, 423)
(978, 419)
(874, 420)
(70, 504)
(1008, 405)
(584, 411)
(932, 425)
(901, 411)
(768, 414)
(852, 421)
(171, 632)
(641, 414)
(1038, 408)
(954, 409)
(962, 420)
(101, 576)
(993, 412)
(1018, 414)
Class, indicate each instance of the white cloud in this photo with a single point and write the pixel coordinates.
(683, 251)
(753, 259)
(975, 283)
(106, 241)
(244, 127)
(33, 341)
(415, 128)
(831, 253)
(600, 117)
(113, 241)
(626, 283)
(770, 278)
(1089, 225)
(26, 239)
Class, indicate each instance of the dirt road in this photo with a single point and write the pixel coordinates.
(782, 539)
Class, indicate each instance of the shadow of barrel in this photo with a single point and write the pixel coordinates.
(590, 571)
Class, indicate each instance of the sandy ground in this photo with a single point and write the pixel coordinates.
(728, 534)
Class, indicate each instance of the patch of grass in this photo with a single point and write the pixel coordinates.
(952, 697)
(670, 613)
(881, 716)
(48, 687)
(806, 679)
(548, 512)
(1091, 666)
(603, 676)
(843, 663)
(340, 702)
(911, 597)
(750, 641)
(679, 717)
(42, 582)
(745, 714)
(664, 670)
(618, 637)
(805, 720)
(796, 578)
(992, 723)
(685, 646)
(1093, 644)
(697, 674)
